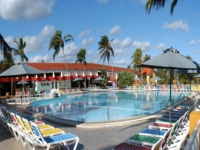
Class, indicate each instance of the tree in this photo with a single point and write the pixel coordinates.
(189, 57)
(81, 58)
(106, 50)
(4, 47)
(125, 79)
(20, 49)
(103, 73)
(146, 58)
(7, 62)
(158, 4)
(136, 58)
(57, 43)
(128, 66)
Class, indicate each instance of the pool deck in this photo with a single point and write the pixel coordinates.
(90, 138)
(104, 138)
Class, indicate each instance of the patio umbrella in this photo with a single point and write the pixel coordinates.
(197, 76)
(137, 79)
(20, 70)
(77, 79)
(157, 78)
(22, 82)
(99, 79)
(170, 59)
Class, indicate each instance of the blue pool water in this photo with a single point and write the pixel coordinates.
(109, 106)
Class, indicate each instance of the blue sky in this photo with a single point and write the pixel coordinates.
(124, 21)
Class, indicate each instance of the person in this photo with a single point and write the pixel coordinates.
(28, 91)
(7, 94)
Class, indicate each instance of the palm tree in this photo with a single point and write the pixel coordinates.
(20, 49)
(7, 62)
(81, 58)
(158, 4)
(146, 58)
(4, 47)
(137, 58)
(57, 43)
(106, 50)
(189, 57)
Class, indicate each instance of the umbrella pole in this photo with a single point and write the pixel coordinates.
(170, 95)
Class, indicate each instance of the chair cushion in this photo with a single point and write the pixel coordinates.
(61, 137)
(126, 146)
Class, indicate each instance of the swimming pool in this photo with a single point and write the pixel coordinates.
(107, 106)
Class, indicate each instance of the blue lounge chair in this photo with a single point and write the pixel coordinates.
(153, 132)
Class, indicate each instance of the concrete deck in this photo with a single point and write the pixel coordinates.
(90, 138)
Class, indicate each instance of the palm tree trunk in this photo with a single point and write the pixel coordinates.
(112, 69)
(65, 61)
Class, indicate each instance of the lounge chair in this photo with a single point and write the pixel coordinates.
(166, 120)
(176, 137)
(150, 141)
(61, 139)
(127, 146)
(160, 126)
(6, 120)
(153, 132)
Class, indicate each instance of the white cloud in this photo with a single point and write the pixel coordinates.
(86, 42)
(193, 42)
(176, 25)
(84, 33)
(115, 30)
(10, 41)
(118, 52)
(33, 43)
(103, 1)
(126, 42)
(29, 9)
(39, 58)
(90, 53)
(198, 50)
(70, 51)
(161, 47)
(116, 44)
(143, 45)
(47, 31)
(121, 62)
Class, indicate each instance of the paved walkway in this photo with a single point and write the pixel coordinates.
(90, 139)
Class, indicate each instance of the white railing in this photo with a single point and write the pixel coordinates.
(193, 142)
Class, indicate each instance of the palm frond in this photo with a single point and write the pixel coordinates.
(174, 3)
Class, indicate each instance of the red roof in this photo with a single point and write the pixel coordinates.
(146, 71)
(77, 66)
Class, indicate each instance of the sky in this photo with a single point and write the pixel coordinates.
(125, 22)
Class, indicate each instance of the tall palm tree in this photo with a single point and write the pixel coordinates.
(81, 58)
(57, 43)
(20, 49)
(137, 60)
(158, 4)
(105, 50)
